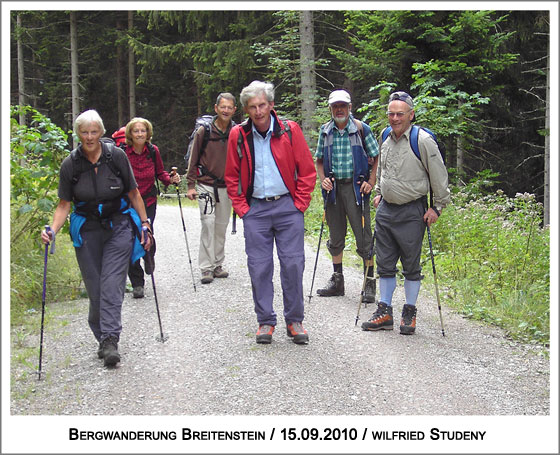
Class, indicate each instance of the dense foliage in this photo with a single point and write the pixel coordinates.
(494, 259)
(36, 152)
(479, 79)
(484, 72)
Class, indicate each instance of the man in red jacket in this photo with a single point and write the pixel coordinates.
(270, 176)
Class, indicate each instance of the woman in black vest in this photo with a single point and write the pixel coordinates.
(97, 184)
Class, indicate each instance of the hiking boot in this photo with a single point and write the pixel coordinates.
(100, 351)
(335, 286)
(297, 333)
(219, 272)
(207, 277)
(369, 292)
(138, 292)
(382, 319)
(408, 320)
(264, 334)
(110, 351)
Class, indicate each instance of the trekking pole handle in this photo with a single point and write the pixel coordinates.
(48, 230)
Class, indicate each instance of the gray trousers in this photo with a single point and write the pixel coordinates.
(103, 259)
(399, 232)
(336, 215)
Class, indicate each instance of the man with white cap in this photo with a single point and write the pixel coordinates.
(346, 160)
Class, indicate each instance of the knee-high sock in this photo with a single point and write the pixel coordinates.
(411, 289)
(386, 288)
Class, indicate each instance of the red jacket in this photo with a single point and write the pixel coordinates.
(293, 159)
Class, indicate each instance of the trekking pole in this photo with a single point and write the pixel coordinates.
(331, 176)
(47, 229)
(173, 171)
(234, 222)
(361, 180)
(370, 257)
(435, 278)
(149, 265)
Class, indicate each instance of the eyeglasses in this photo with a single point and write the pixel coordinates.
(397, 114)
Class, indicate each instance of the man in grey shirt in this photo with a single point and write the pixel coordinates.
(403, 181)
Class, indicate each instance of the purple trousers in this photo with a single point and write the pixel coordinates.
(264, 224)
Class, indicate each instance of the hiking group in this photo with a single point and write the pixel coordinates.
(264, 169)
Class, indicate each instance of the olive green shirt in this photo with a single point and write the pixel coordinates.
(402, 177)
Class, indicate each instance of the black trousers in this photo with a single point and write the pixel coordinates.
(135, 271)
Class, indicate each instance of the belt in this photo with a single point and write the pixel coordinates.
(421, 199)
(271, 198)
(348, 180)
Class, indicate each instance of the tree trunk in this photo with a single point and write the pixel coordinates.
(131, 75)
(121, 91)
(21, 74)
(460, 151)
(546, 219)
(74, 69)
(308, 83)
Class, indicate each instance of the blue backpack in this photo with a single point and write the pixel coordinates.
(414, 140)
(414, 146)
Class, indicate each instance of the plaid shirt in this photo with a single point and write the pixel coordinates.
(342, 164)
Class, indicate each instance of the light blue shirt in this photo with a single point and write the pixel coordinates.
(268, 181)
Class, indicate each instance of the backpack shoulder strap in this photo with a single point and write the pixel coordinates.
(77, 168)
(414, 141)
(287, 128)
(207, 130)
(239, 143)
(108, 158)
(360, 127)
(152, 151)
(385, 134)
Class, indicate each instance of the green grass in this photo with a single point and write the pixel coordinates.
(492, 260)
(26, 276)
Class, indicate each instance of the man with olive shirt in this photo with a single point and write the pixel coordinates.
(403, 181)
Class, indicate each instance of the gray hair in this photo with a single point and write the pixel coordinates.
(225, 96)
(90, 116)
(255, 88)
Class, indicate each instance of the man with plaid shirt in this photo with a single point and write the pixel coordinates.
(346, 160)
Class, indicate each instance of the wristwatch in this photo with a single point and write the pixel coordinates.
(147, 221)
(437, 209)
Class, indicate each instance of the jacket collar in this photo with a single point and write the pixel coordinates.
(247, 125)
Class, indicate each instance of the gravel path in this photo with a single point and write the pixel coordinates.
(211, 365)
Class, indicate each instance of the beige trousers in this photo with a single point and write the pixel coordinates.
(211, 253)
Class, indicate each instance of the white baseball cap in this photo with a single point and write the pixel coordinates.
(339, 96)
